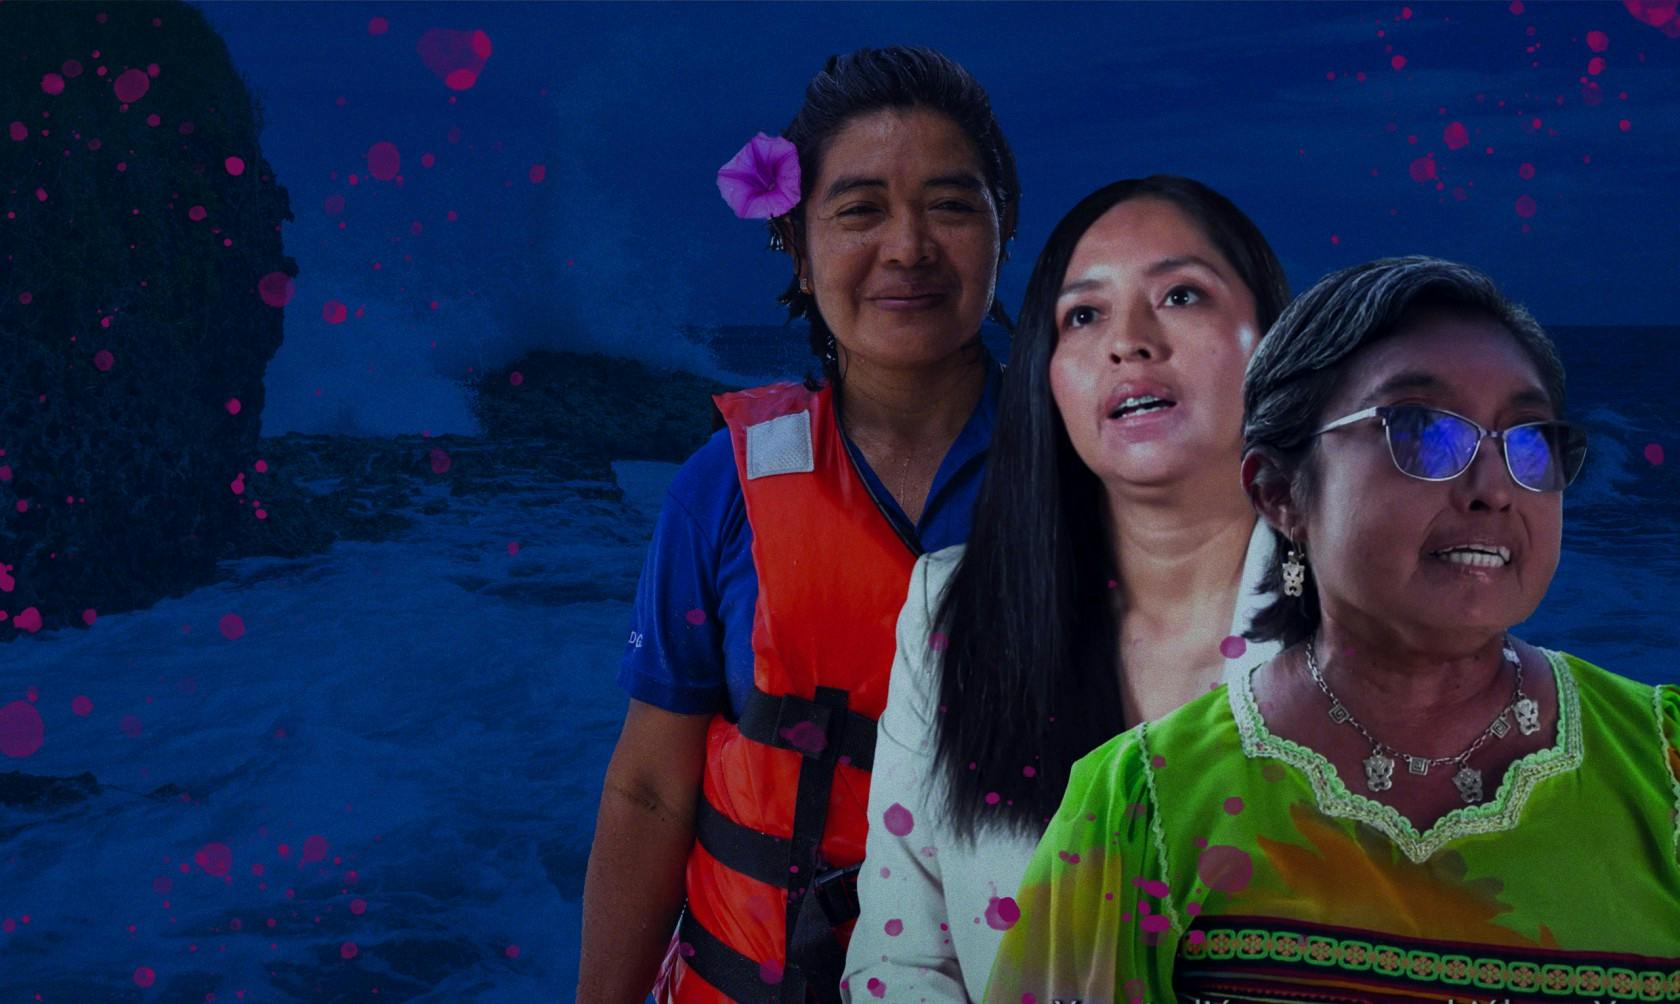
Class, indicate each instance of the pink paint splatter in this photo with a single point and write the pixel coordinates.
(1525, 171)
(1232, 647)
(898, 820)
(1422, 169)
(1654, 453)
(1029, 771)
(1517, 7)
(439, 460)
(234, 165)
(378, 26)
(893, 927)
(276, 289)
(347, 950)
(26, 298)
(334, 312)
(358, 906)
(937, 641)
(1398, 62)
(383, 160)
(1233, 805)
(19, 131)
(5, 475)
(52, 83)
(806, 737)
(516, 378)
(1455, 136)
(770, 971)
(144, 976)
(511, 951)
(21, 729)
(40, 195)
(1624, 125)
(1598, 41)
(233, 406)
(232, 626)
(1525, 206)
(695, 617)
(1223, 868)
(455, 57)
(237, 485)
(1155, 923)
(1155, 887)
(513, 548)
(261, 466)
(1002, 912)
(196, 213)
(1595, 66)
(28, 620)
(131, 86)
(333, 205)
(130, 726)
(427, 160)
(103, 360)
(314, 849)
(89, 616)
(876, 988)
(82, 706)
(993, 798)
(537, 173)
(215, 858)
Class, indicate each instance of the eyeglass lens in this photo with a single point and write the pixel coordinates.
(1430, 444)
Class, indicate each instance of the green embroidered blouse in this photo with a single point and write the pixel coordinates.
(1201, 856)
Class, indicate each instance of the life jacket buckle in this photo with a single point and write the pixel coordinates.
(836, 892)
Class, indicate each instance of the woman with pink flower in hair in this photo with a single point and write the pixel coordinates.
(764, 622)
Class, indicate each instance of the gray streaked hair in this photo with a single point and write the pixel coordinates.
(1300, 365)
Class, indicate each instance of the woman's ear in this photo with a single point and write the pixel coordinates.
(1270, 490)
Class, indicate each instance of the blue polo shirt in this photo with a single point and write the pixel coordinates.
(690, 645)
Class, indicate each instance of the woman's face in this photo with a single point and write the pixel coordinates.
(1154, 331)
(901, 238)
(1376, 537)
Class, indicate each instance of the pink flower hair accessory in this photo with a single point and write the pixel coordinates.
(762, 179)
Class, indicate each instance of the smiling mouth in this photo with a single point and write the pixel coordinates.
(1474, 556)
(1141, 405)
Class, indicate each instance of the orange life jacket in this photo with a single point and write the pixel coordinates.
(781, 823)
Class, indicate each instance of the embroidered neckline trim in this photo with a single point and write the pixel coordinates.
(1335, 799)
(1156, 831)
(1662, 751)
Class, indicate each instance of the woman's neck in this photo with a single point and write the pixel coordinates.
(1180, 556)
(902, 409)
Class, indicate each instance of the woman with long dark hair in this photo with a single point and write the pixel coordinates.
(763, 625)
(1113, 566)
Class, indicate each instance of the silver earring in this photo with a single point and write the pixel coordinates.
(1295, 569)
(831, 353)
(805, 285)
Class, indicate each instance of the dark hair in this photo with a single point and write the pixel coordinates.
(1301, 362)
(869, 80)
(1028, 677)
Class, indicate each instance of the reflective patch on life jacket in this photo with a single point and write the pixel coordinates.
(780, 446)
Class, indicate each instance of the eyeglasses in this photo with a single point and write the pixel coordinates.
(1434, 445)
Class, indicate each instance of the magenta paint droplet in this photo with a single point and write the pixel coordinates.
(1422, 169)
(1624, 125)
(131, 86)
(1525, 171)
(1525, 206)
(806, 737)
(1398, 62)
(1598, 41)
(1157, 762)
(511, 951)
(196, 213)
(427, 160)
(898, 820)
(1002, 912)
(314, 849)
(347, 950)
(695, 617)
(937, 641)
(144, 976)
(516, 378)
(1029, 998)
(1155, 922)
(52, 83)
(378, 26)
(993, 798)
(82, 706)
(893, 927)
(232, 406)
(1517, 7)
(334, 312)
(21, 729)
(261, 466)
(333, 205)
(1595, 65)
(537, 173)
(1233, 805)
(358, 906)
(513, 547)
(232, 626)
(1654, 453)
(1232, 647)
(876, 988)
(276, 289)
(130, 726)
(235, 166)
(1193, 908)
(1029, 771)
(26, 298)
(215, 858)
(19, 131)
(1455, 136)
(1224, 868)
(237, 485)
(40, 195)
(5, 475)
(454, 57)
(103, 360)
(1155, 887)
(89, 616)
(383, 160)
(770, 971)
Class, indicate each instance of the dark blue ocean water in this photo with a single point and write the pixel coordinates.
(400, 760)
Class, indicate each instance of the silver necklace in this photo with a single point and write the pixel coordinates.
(1379, 766)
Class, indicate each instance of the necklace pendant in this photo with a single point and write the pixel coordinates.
(1469, 783)
(1510, 655)
(1417, 765)
(1500, 726)
(1339, 714)
(1379, 772)
(1528, 716)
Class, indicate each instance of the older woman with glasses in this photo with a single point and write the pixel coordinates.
(1407, 802)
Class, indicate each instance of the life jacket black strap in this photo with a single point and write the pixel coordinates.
(815, 729)
(732, 973)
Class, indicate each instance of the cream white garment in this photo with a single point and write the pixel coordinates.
(925, 885)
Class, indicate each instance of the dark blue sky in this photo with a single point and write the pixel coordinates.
(630, 109)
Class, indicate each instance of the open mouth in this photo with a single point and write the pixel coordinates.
(1141, 405)
(1474, 556)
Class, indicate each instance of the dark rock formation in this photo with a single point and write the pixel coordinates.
(132, 249)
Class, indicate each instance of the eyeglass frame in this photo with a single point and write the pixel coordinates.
(1381, 411)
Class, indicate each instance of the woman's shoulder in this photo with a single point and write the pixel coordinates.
(1601, 686)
